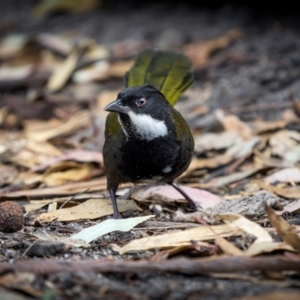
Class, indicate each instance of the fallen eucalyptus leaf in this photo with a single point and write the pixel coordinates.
(107, 226)
(91, 209)
(176, 239)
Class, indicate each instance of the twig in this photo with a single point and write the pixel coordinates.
(28, 248)
(73, 197)
(225, 264)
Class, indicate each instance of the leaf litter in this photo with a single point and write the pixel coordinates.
(51, 163)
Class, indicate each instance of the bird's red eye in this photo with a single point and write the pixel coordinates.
(141, 102)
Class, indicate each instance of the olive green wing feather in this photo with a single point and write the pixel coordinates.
(169, 72)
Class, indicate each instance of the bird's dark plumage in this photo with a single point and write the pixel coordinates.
(146, 139)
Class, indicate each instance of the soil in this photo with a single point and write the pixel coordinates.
(265, 79)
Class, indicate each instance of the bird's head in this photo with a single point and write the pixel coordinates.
(143, 111)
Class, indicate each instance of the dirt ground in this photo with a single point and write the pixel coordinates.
(255, 77)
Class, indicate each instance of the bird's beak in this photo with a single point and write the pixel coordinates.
(116, 106)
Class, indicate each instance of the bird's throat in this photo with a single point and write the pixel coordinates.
(142, 126)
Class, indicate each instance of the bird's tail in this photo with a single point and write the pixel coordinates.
(169, 72)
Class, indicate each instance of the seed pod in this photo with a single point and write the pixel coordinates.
(11, 216)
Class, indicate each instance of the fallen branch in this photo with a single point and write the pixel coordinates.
(226, 264)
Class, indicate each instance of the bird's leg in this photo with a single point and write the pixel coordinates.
(128, 195)
(192, 202)
(116, 214)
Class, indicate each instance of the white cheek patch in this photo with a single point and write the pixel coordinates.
(147, 127)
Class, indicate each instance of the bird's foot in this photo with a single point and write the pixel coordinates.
(117, 215)
(193, 204)
(196, 206)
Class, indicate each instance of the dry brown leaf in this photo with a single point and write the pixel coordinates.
(286, 231)
(96, 72)
(24, 282)
(104, 98)
(55, 43)
(199, 52)
(227, 247)
(267, 247)
(43, 133)
(4, 111)
(63, 172)
(263, 159)
(118, 69)
(33, 153)
(16, 73)
(177, 239)
(43, 147)
(8, 174)
(228, 179)
(238, 150)
(284, 175)
(102, 70)
(292, 207)
(76, 155)
(216, 141)
(62, 73)
(233, 123)
(286, 192)
(67, 189)
(278, 295)
(296, 104)
(36, 205)
(12, 45)
(169, 194)
(91, 209)
(261, 126)
(285, 144)
(288, 116)
(248, 226)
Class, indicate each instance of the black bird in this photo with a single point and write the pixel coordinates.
(146, 139)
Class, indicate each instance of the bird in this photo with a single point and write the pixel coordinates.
(146, 138)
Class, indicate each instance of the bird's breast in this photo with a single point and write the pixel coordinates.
(141, 161)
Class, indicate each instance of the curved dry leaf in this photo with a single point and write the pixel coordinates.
(12, 44)
(76, 155)
(91, 233)
(199, 52)
(49, 130)
(169, 194)
(216, 141)
(176, 239)
(227, 247)
(233, 123)
(284, 175)
(285, 142)
(228, 179)
(66, 190)
(286, 192)
(64, 172)
(267, 247)
(248, 226)
(16, 72)
(286, 231)
(66, 69)
(238, 150)
(90, 209)
(96, 72)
